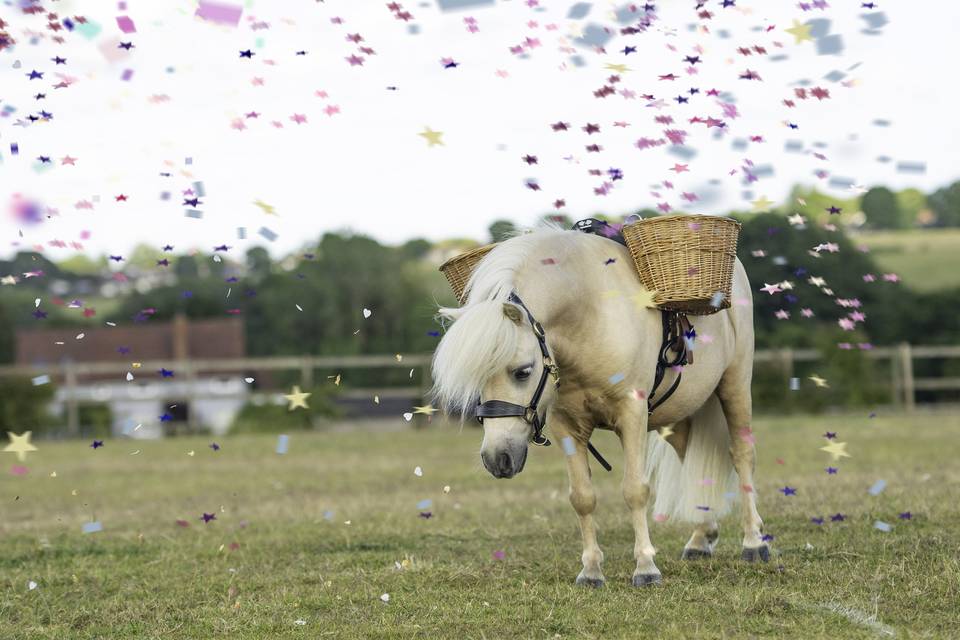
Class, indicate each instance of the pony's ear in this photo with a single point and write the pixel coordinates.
(513, 312)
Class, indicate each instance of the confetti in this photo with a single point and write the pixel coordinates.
(40, 380)
(418, 472)
(883, 526)
(282, 443)
(92, 527)
(568, 445)
(219, 12)
(877, 487)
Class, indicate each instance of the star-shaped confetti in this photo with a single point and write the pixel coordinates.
(427, 410)
(432, 137)
(19, 444)
(817, 380)
(644, 299)
(836, 449)
(800, 32)
(297, 398)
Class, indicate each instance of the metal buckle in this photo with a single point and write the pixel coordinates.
(529, 414)
(538, 328)
(552, 369)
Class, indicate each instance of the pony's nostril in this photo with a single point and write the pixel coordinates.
(504, 463)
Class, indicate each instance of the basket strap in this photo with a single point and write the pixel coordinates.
(674, 332)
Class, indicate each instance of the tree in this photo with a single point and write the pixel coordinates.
(912, 202)
(881, 208)
(945, 202)
(501, 230)
(186, 268)
(258, 263)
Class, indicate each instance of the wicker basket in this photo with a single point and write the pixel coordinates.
(458, 268)
(686, 260)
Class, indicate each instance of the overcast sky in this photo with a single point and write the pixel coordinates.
(329, 139)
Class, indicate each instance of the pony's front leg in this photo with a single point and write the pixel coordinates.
(636, 492)
(584, 501)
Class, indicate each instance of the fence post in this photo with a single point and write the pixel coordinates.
(906, 367)
(306, 373)
(73, 409)
(786, 362)
(191, 377)
(896, 384)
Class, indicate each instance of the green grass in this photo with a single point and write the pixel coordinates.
(926, 259)
(144, 576)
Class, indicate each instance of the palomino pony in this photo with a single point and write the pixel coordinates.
(604, 347)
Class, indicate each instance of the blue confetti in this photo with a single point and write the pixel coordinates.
(283, 441)
(569, 447)
(617, 378)
(193, 213)
(268, 234)
(877, 487)
(883, 526)
(198, 189)
(92, 527)
(14, 148)
(242, 233)
(39, 380)
(424, 504)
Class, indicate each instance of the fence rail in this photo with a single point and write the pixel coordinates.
(901, 357)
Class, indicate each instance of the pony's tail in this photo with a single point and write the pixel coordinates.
(703, 487)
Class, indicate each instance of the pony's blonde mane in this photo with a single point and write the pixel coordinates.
(481, 341)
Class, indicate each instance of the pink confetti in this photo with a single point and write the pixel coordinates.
(499, 555)
(219, 12)
(126, 24)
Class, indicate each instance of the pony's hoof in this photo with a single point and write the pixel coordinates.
(759, 553)
(584, 581)
(646, 579)
(695, 554)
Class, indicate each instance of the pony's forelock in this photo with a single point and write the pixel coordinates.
(481, 342)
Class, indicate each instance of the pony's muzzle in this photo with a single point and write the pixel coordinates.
(505, 462)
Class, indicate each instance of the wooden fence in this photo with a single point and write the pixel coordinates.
(903, 387)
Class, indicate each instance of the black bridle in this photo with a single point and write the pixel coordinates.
(529, 413)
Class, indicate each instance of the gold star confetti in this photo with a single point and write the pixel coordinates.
(297, 398)
(428, 410)
(820, 382)
(19, 444)
(800, 32)
(644, 299)
(432, 137)
(762, 204)
(268, 209)
(836, 449)
(619, 68)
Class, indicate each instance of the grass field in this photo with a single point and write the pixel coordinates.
(926, 259)
(304, 544)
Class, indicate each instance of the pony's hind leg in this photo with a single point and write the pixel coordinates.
(584, 501)
(636, 492)
(702, 542)
(734, 394)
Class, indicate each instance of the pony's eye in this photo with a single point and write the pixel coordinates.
(522, 374)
